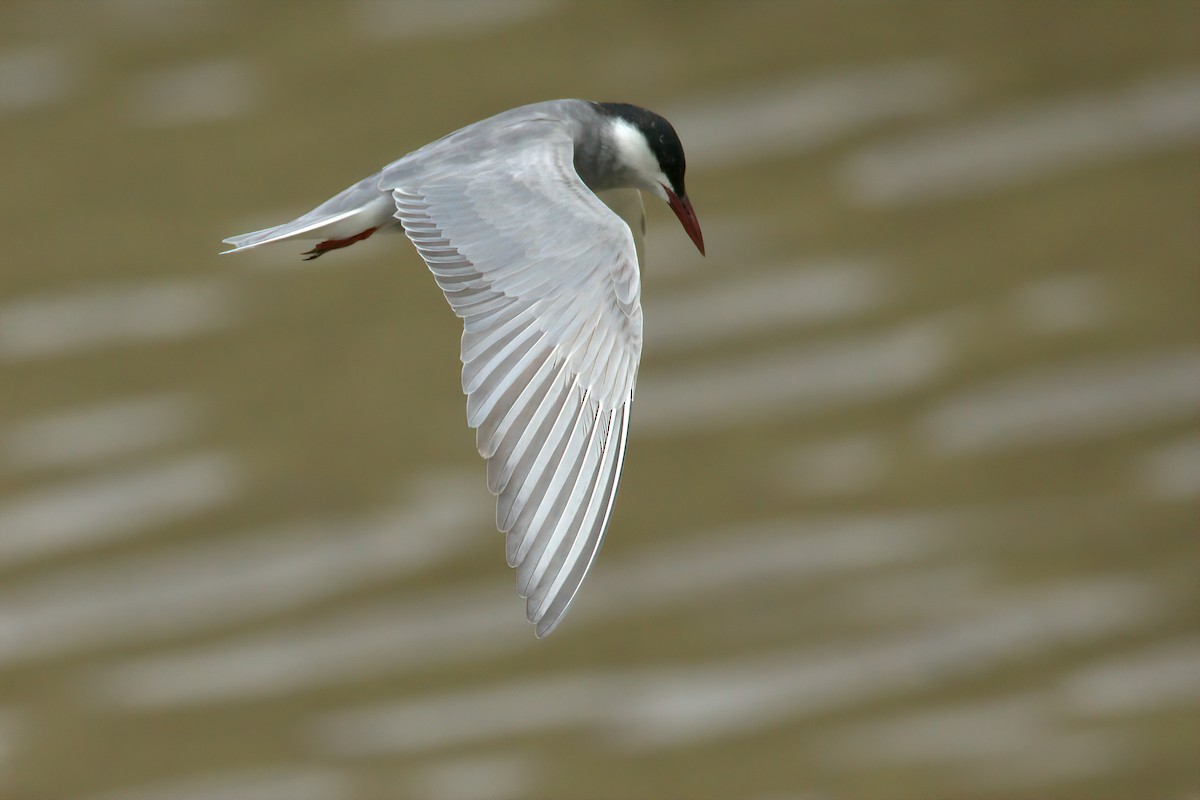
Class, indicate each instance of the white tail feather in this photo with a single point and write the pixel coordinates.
(358, 208)
(296, 229)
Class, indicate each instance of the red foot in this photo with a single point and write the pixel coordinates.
(335, 244)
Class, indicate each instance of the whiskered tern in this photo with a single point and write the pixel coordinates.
(532, 222)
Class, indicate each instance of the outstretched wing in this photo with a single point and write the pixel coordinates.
(545, 278)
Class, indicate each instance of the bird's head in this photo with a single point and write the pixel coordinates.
(647, 149)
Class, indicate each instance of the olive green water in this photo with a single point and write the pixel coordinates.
(922, 526)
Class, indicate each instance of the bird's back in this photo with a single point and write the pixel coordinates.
(498, 142)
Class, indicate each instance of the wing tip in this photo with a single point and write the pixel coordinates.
(545, 626)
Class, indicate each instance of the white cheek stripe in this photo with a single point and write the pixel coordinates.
(634, 152)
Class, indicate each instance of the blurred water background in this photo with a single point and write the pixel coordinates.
(910, 507)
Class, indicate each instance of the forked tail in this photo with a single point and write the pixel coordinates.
(339, 222)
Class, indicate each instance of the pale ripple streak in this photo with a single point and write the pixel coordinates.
(205, 91)
(774, 298)
(291, 782)
(431, 19)
(1171, 471)
(1165, 675)
(1074, 401)
(93, 511)
(1012, 147)
(86, 320)
(795, 381)
(979, 742)
(203, 585)
(762, 122)
(35, 76)
(87, 435)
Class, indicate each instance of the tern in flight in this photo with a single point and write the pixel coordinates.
(532, 222)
